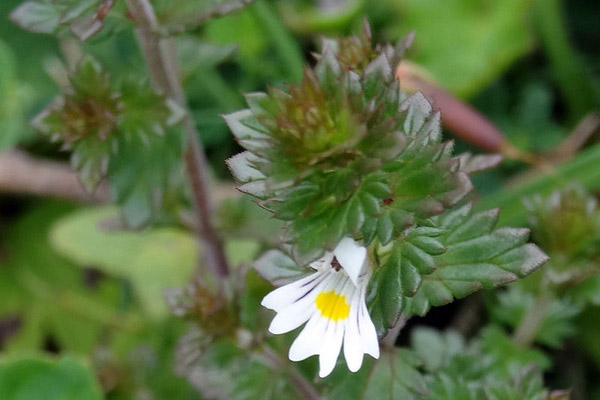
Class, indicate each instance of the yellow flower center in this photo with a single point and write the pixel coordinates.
(332, 305)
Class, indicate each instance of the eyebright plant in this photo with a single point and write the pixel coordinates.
(370, 197)
(124, 132)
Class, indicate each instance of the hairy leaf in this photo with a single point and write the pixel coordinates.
(478, 256)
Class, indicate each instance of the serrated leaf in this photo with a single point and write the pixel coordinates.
(474, 259)
(436, 349)
(36, 16)
(396, 376)
(385, 228)
(257, 381)
(242, 169)
(85, 18)
(386, 293)
(277, 268)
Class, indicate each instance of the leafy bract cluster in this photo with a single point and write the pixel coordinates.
(566, 224)
(347, 153)
(127, 134)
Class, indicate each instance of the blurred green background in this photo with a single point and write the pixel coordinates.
(531, 66)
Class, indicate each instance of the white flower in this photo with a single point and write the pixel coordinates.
(332, 300)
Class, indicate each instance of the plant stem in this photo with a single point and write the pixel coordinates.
(164, 73)
(22, 174)
(298, 380)
(530, 324)
(390, 338)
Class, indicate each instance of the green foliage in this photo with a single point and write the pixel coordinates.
(478, 256)
(84, 18)
(126, 135)
(581, 168)
(353, 159)
(240, 218)
(343, 154)
(12, 117)
(38, 378)
(440, 365)
(396, 373)
(566, 223)
(510, 307)
(487, 35)
(491, 367)
(152, 261)
(47, 293)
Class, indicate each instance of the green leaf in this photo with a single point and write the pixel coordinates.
(478, 256)
(346, 385)
(436, 349)
(277, 268)
(48, 294)
(153, 260)
(488, 43)
(209, 365)
(395, 376)
(255, 290)
(510, 358)
(65, 379)
(385, 293)
(257, 381)
(36, 16)
(85, 18)
(489, 366)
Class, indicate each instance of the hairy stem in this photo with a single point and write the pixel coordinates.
(531, 322)
(390, 338)
(164, 73)
(298, 380)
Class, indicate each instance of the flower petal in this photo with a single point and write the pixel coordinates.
(353, 349)
(308, 342)
(324, 263)
(330, 347)
(284, 296)
(300, 311)
(352, 257)
(368, 334)
(292, 317)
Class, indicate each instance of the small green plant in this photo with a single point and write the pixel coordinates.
(354, 218)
